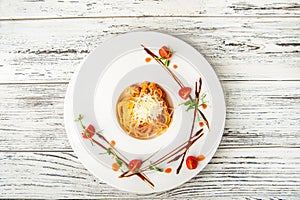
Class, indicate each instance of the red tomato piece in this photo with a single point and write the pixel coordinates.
(165, 52)
(185, 92)
(134, 165)
(88, 132)
(191, 162)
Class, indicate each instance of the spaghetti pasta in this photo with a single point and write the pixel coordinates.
(144, 110)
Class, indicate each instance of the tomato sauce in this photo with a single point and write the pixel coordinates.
(147, 59)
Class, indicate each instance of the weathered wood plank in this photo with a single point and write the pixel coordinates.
(259, 114)
(32, 116)
(238, 48)
(248, 173)
(69, 8)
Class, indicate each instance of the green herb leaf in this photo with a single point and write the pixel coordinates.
(160, 58)
(156, 169)
(119, 162)
(187, 102)
(191, 103)
(190, 107)
(110, 151)
(87, 133)
(202, 99)
(167, 63)
(79, 119)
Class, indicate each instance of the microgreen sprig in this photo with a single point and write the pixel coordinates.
(178, 81)
(119, 162)
(79, 119)
(166, 62)
(191, 103)
(155, 168)
(112, 151)
(166, 58)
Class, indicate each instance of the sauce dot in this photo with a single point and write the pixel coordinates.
(112, 143)
(201, 124)
(204, 106)
(201, 157)
(115, 167)
(175, 66)
(168, 170)
(147, 59)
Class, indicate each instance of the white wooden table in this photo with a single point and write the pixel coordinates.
(254, 48)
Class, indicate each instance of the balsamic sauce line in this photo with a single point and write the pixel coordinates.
(163, 65)
(140, 174)
(175, 78)
(197, 94)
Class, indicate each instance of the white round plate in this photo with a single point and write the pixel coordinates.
(106, 72)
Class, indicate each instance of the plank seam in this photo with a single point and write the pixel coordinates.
(71, 151)
(148, 16)
(221, 80)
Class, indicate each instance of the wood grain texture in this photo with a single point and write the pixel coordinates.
(88, 8)
(232, 173)
(33, 117)
(238, 48)
(259, 114)
(252, 45)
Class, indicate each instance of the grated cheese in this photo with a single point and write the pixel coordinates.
(147, 108)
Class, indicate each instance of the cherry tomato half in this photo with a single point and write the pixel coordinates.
(134, 165)
(88, 132)
(165, 52)
(185, 92)
(191, 162)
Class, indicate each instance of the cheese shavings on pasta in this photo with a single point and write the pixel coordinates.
(147, 108)
(143, 110)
